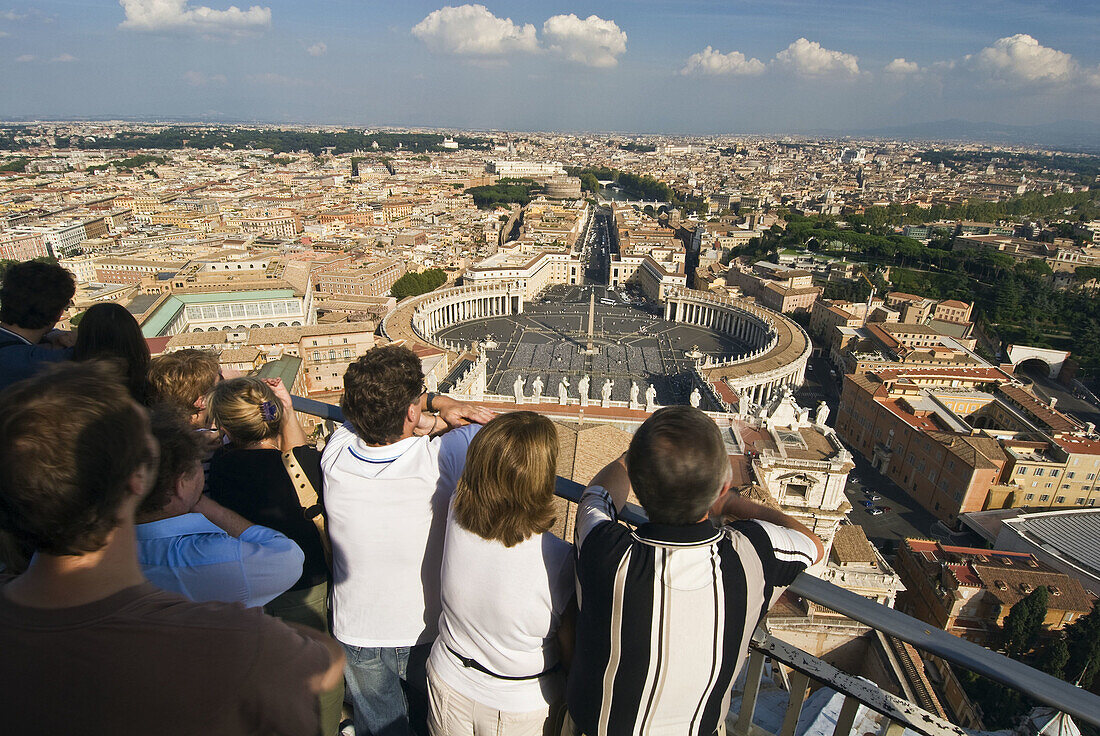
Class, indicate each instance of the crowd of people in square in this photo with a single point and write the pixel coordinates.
(177, 558)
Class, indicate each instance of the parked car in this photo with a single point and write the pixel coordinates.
(867, 504)
(883, 509)
(872, 496)
(874, 511)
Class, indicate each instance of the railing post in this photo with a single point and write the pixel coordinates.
(748, 698)
(799, 684)
(893, 728)
(847, 717)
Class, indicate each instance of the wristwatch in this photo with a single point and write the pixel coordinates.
(431, 398)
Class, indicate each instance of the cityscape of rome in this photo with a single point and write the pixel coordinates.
(895, 327)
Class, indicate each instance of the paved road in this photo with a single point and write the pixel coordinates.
(906, 518)
(820, 384)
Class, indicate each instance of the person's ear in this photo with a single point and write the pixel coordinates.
(412, 414)
(141, 480)
(180, 499)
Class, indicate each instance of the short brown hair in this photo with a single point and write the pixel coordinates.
(70, 439)
(506, 492)
(34, 294)
(183, 377)
(677, 463)
(378, 390)
(180, 451)
(237, 408)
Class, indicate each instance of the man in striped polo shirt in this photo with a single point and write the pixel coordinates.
(667, 610)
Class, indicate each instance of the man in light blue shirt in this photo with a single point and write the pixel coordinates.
(191, 545)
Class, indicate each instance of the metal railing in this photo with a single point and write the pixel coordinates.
(901, 713)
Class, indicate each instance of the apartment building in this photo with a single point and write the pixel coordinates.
(374, 278)
(775, 286)
(967, 438)
(968, 591)
(23, 246)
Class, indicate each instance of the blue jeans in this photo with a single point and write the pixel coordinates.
(388, 689)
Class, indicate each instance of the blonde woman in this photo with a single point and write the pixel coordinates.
(249, 477)
(507, 588)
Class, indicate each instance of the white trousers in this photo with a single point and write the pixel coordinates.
(452, 714)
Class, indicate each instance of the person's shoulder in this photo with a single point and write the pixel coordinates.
(307, 454)
(343, 436)
(226, 454)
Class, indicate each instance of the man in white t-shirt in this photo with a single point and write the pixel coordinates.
(389, 474)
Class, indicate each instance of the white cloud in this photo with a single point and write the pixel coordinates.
(1021, 58)
(198, 79)
(63, 58)
(279, 80)
(25, 58)
(592, 41)
(901, 66)
(471, 30)
(712, 61)
(4, 34)
(177, 15)
(811, 59)
(34, 14)
(318, 49)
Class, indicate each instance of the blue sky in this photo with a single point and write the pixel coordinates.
(634, 66)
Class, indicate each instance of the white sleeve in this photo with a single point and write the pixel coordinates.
(335, 444)
(789, 546)
(595, 508)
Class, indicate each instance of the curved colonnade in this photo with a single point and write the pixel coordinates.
(778, 358)
(420, 318)
(781, 347)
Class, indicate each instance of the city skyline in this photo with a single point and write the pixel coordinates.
(651, 67)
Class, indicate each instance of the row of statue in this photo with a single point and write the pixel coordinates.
(583, 386)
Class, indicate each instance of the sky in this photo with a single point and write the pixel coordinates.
(635, 66)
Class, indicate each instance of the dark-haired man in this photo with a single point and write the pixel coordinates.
(389, 473)
(33, 297)
(666, 611)
(88, 643)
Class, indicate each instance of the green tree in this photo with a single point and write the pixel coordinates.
(1024, 622)
(1054, 658)
(1083, 643)
(589, 182)
(416, 283)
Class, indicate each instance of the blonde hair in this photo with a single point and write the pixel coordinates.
(246, 409)
(506, 492)
(182, 377)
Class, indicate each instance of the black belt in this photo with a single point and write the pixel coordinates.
(475, 665)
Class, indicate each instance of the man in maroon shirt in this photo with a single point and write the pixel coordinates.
(89, 645)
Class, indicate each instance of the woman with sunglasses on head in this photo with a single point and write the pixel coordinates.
(270, 476)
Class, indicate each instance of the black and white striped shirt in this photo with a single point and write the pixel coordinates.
(666, 613)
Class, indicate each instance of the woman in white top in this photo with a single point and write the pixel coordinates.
(506, 629)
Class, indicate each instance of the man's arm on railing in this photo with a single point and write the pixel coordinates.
(614, 479)
(732, 503)
(454, 412)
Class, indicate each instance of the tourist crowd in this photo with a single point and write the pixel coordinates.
(178, 559)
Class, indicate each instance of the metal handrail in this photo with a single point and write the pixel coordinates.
(1037, 685)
